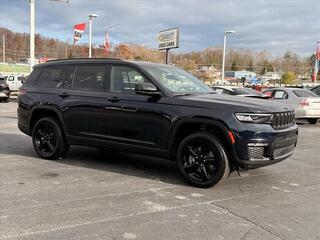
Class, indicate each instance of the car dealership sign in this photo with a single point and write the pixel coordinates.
(168, 39)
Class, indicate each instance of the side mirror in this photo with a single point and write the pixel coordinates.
(147, 89)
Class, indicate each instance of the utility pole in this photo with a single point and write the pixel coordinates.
(4, 53)
(32, 27)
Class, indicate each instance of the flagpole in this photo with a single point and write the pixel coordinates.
(90, 32)
(317, 62)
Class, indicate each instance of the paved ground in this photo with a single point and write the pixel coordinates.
(93, 194)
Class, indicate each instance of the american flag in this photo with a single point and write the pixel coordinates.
(106, 44)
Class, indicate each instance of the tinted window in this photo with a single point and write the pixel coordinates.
(21, 79)
(304, 93)
(56, 77)
(124, 79)
(91, 77)
(34, 75)
(316, 90)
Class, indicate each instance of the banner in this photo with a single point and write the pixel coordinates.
(106, 44)
(78, 31)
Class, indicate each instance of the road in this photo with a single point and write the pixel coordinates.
(96, 194)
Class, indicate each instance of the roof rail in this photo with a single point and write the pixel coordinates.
(70, 59)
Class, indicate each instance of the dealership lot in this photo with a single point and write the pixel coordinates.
(96, 194)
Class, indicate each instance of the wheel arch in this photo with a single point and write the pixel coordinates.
(39, 112)
(185, 127)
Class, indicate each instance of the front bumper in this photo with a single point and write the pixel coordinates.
(258, 149)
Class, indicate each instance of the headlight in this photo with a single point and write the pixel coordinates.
(254, 117)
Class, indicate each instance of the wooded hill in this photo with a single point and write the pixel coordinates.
(17, 46)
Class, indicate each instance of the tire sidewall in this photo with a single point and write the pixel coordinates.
(224, 168)
(59, 136)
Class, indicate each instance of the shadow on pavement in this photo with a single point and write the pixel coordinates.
(100, 159)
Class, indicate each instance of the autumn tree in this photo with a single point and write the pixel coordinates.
(288, 78)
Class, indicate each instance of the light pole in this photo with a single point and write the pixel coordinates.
(92, 15)
(4, 52)
(32, 27)
(224, 53)
(32, 3)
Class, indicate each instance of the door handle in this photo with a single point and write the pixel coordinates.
(114, 99)
(64, 95)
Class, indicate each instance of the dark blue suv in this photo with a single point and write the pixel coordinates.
(152, 109)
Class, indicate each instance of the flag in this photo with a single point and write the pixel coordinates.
(106, 44)
(317, 63)
(78, 30)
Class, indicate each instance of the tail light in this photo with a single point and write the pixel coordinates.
(304, 103)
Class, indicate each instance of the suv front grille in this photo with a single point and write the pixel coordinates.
(282, 120)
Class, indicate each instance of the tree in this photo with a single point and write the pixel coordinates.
(250, 67)
(234, 66)
(288, 78)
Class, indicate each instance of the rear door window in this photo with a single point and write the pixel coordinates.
(56, 77)
(317, 90)
(304, 93)
(90, 78)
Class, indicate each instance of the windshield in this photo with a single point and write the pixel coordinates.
(304, 93)
(177, 80)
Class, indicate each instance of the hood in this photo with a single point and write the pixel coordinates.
(239, 103)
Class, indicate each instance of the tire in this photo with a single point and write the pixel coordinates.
(312, 120)
(202, 160)
(48, 139)
(6, 100)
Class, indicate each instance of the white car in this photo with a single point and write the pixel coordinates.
(15, 82)
(305, 103)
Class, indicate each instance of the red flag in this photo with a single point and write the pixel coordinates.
(78, 30)
(318, 51)
(106, 44)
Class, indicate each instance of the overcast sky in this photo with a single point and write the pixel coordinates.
(275, 26)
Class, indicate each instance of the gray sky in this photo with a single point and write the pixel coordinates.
(275, 26)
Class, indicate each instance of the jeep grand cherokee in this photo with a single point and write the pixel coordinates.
(152, 109)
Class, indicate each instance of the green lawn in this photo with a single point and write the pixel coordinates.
(15, 68)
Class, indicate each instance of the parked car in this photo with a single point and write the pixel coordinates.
(316, 90)
(152, 109)
(15, 82)
(305, 102)
(244, 92)
(4, 90)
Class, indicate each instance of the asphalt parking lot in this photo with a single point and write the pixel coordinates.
(96, 194)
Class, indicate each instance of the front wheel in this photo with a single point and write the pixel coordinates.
(48, 140)
(202, 159)
(313, 120)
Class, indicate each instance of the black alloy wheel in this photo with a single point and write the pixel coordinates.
(48, 139)
(202, 160)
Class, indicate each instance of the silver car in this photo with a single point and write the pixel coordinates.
(305, 103)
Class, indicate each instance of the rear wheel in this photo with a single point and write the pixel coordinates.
(202, 159)
(312, 120)
(48, 140)
(6, 100)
